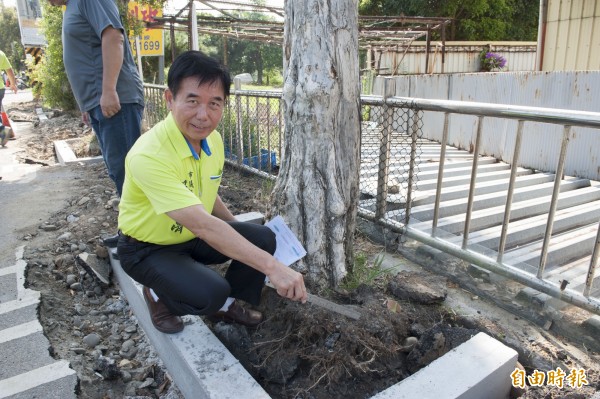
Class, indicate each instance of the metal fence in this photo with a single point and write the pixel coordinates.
(435, 237)
(391, 160)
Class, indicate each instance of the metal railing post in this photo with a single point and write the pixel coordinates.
(553, 203)
(472, 183)
(385, 150)
(511, 189)
(237, 84)
(411, 170)
(593, 263)
(438, 189)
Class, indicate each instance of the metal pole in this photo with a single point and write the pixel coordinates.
(385, 149)
(472, 183)
(511, 188)
(237, 84)
(194, 25)
(411, 170)
(555, 192)
(161, 69)
(593, 263)
(172, 35)
(438, 189)
(138, 52)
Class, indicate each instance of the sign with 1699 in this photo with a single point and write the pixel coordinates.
(151, 40)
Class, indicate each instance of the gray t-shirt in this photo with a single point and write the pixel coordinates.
(83, 23)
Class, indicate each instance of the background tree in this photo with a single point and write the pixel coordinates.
(10, 37)
(474, 19)
(317, 188)
(261, 59)
(52, 83)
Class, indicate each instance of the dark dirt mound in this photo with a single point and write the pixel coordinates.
(303, 351)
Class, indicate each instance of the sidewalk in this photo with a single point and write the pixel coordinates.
(26, 368)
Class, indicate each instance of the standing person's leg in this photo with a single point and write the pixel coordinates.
(4, 134)
(116, 136)
(2, 91)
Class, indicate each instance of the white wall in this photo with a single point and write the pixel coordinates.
(541, 142)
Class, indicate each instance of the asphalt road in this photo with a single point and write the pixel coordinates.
(29, 195)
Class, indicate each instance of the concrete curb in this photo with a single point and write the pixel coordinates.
(479, 368)
(199, 363)
(201, 366)
(65, 154)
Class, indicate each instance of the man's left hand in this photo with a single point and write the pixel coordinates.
(109, 103)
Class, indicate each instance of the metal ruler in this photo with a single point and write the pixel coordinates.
(329, 305)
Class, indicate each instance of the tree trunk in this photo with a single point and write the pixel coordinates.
(259, 66)
(317, 188)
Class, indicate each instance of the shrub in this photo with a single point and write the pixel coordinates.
(491, 61)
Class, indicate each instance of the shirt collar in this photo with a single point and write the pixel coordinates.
(178, 140)
(203, 145)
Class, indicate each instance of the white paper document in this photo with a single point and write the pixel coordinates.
(289, 249)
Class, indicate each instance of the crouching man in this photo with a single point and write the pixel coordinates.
(172, 221)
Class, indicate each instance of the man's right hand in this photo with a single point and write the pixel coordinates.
(109, 103)
(288, 283)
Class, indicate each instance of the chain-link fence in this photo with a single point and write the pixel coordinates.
(155, 108)
(252, 130)
(390, 151)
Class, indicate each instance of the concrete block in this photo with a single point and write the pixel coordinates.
(251, 217)
(65, 154)
(479, 368)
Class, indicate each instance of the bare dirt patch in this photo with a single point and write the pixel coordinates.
(300, 351)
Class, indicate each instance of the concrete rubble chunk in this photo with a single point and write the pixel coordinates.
(418, 287)
(98, 268)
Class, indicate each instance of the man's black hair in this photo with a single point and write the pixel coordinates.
(197, 64)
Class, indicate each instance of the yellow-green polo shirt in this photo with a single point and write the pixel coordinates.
(4, 65)
(162, 174)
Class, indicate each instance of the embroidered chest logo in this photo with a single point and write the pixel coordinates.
(189, 182)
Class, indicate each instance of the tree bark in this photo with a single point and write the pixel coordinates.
(317, 187)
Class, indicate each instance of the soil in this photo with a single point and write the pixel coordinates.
(300, 351)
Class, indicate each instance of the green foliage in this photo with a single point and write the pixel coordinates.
(10, 37)
(273, 77)
(250, 133)
(259, 130)
(54, 86)
(474, 19)
(130, 22)
(363, 272)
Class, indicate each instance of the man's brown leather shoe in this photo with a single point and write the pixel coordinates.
(238, 314)
(161, 317)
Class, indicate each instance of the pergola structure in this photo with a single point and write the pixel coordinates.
(381, 34)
